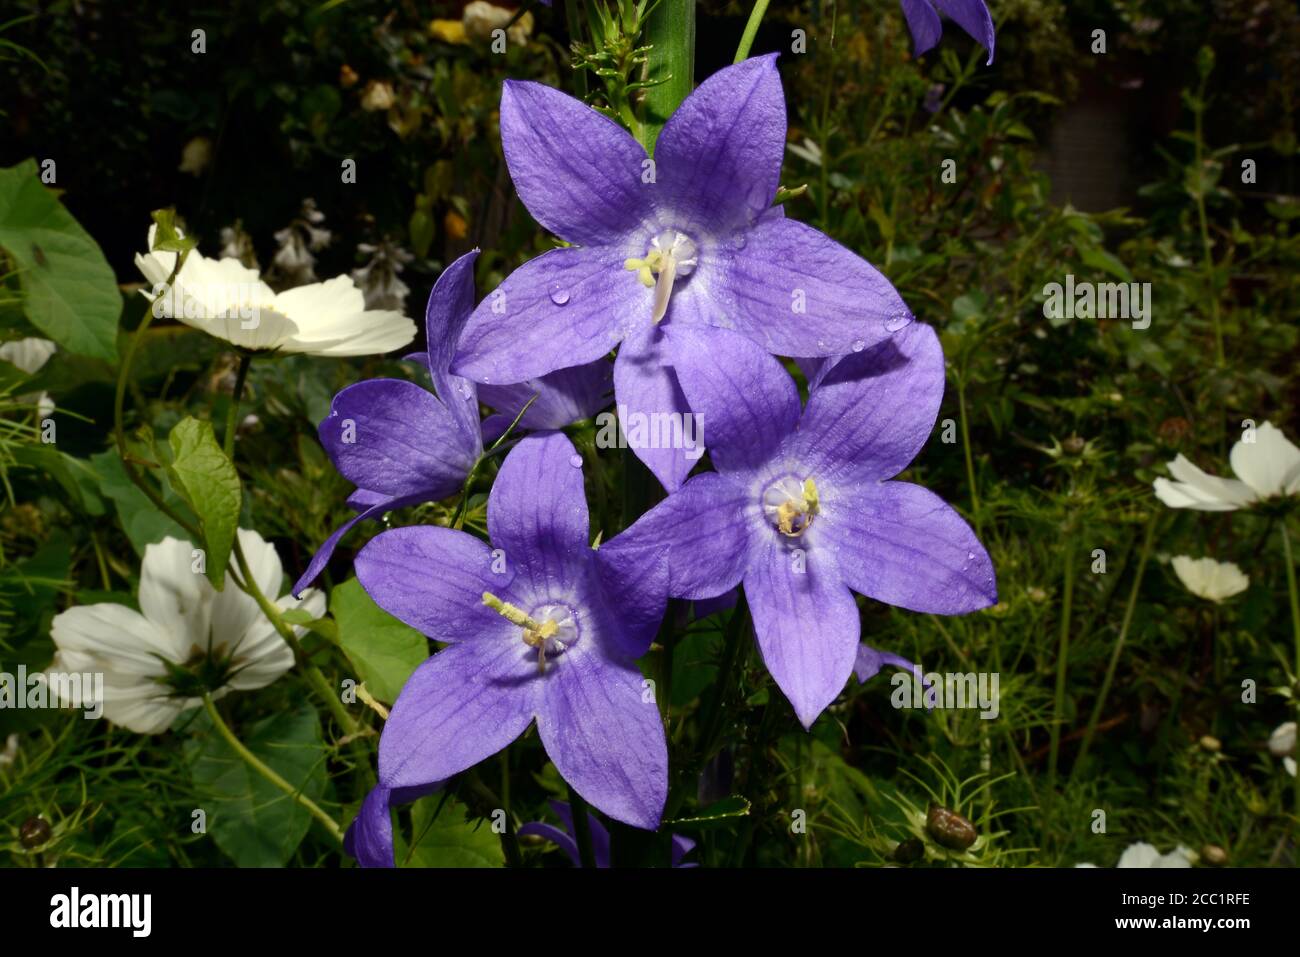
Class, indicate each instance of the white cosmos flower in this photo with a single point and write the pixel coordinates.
(30, 355)
(1142, 854)
(1208, 579)
(1266, 467)
(226, 299)
(182, 620)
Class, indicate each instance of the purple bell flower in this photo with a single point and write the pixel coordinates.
(971, 15)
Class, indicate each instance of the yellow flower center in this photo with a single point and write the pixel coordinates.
(671, 256)
(791, 505)
(550, 629)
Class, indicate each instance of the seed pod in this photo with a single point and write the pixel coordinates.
(949, 828)
(1210, 743)
(909, 851)
(1215, 855)
(34, 832)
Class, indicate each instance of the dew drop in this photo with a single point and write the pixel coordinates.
(575, 461)
(897, 322)
(858, 345)
(970, 556)
(559, 295)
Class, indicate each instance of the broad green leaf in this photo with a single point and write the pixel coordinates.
(69, 290)
(208, 480)
(384, 650)
(141, 521)
(254, 822)
(449, 840)
(76, 477)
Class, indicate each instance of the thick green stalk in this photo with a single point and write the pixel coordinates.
(670, 32)
(254, 762)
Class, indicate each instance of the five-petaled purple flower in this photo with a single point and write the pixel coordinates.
(799, 509)
(971, 15)
(539, 625)
(401, 444)
(688, 239)
(600, 850)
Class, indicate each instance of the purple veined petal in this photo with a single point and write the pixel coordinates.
(681, 847)
(537, 511)
(972, 16)
(392, 437)
(578, 172)
(873, 411)
(634, 596)
(326, 551)
(433, 579)
(704, 607)
(797, 292)
(814, 370)
(653, 414)
(869, 663)
(566, 307)
(362, 498)
(449, 308)
(464, 704)
(924, 24)
(806, 623)
(702, 532)
(369, 838)
(550, 832)
(748, 403)
(600, 849)
(903, 545)
(563, 397)
(718, 158)
(603, 733)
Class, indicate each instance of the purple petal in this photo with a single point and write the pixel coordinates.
(537, 511)
(433, 579)
(393, 437)
(903, 545)
(652, 410)
(449, 308)
(370, 836)
(634, 595)
(748, 402)
(869, 662)
(681, 847)
(797, 292)
(564, 396)
(362, 498)
(578, 172)
(553, 834)
(605, 737)
(806, 624)
(464, 704)
(973, 17)
(924, 23)
(700, 531)
(718, 158)
(566, 307)
(600, 849)
(704, 607)
(326, 551)
(873, 411)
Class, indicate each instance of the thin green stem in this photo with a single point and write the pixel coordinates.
(1062, 657)
(254, 762)
(965, 443)
(232, 414)
(1119, 645)
(581, 828)
(751, 30)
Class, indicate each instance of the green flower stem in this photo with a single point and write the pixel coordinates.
(267, 772)
(1062, 656)
(970, 462)
(670, 31)
(1289, 558)
(119, 404)
(751, 30)
(1119, 645)
(232, 415)
(581, 828)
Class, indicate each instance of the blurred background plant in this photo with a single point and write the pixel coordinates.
(1121, 692)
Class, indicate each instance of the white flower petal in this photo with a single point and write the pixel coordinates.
(233, 611)
(29, 354)
(176, 598)
(113, 637)
(1269, 464)
(1289, 765)
(1205, 492)
(1208, 579)
(1140, 854)
(332, 320)
(1282, 741)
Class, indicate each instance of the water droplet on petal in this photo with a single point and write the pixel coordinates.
(575, 461)
(740, 241)
(897, 322)
(559, 295)
(858, 345)
(970, 556)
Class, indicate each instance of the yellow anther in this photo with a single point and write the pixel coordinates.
(793, 516)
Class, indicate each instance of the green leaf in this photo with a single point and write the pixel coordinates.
(69, 290)
(449, 840)
(142, 523)
(383, 650)
(208, 480)
(76, 477)
(167, 238)
(254, 822)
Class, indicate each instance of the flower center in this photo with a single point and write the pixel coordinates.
(671, 256)
(551, 628)
(791, 505)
